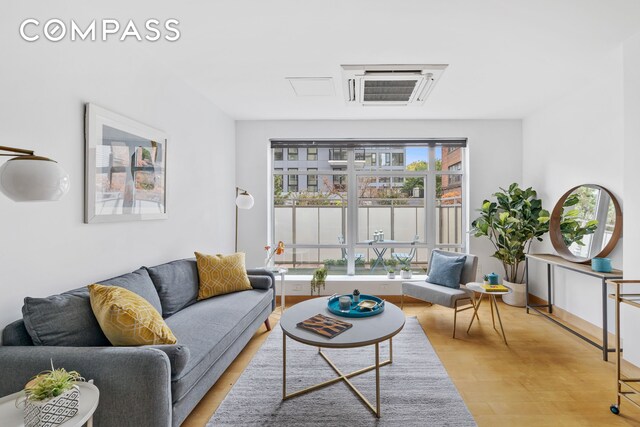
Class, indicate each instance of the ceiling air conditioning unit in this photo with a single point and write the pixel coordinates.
(390, 85)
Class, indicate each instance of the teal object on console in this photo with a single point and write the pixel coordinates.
(493, 278)
(602, 265)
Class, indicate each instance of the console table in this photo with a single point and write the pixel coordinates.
(556, 261)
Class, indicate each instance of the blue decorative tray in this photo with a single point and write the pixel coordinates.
(334, 306)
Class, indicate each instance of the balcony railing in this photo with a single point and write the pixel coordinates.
(321, 221)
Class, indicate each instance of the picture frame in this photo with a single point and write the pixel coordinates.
(125, 168)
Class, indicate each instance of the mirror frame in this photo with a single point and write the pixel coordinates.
(556, 235)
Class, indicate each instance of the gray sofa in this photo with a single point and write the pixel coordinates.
(147, 385)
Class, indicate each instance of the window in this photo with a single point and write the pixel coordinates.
(312, 181)
(454, 179)
(293, 181)
(338, 154)
(339, 182)
(370, 159)
(277, 154)
(416, 204)
(292, 154)
(397, 159)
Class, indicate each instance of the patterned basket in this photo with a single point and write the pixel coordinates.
(52, 412)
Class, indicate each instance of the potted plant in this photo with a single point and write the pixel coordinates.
(318, 280)
(54, 389)
(511, 223)
(485, 279)
(405, 273)
(391, 274)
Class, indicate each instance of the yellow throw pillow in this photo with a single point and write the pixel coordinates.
(128, 319)
(221, 274)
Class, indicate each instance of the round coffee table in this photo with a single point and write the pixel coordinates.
(477, 287)
(364, 332)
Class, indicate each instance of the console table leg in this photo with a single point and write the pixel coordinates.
(605, 331)
(549, 304)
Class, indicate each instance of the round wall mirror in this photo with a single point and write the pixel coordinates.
(585, 223)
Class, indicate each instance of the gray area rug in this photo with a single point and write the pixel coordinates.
(415, 389)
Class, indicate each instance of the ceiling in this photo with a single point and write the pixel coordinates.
(506, 58)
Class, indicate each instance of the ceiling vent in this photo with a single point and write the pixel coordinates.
(389, 85)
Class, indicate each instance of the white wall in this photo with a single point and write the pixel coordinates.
(577, 140)
(495, 159)
(45, 247)
(631, 315)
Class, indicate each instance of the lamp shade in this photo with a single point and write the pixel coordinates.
(33, 178)
(244, 200)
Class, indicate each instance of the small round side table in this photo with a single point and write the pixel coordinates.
(477, 287)
(11, 416)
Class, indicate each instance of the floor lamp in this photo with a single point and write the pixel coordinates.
(244, 200)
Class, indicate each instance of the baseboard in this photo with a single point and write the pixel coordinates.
(586, 328)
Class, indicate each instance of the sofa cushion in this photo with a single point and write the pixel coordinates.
(208, 328)
(260, 282)
(63, 320)
(128, 319)
(138, 282)
(445, 270)
(221, 274)
(178, 356)
(176, 283)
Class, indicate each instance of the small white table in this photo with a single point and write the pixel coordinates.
(365, 331)
(281, 271)
(477, 287)
(11, 416)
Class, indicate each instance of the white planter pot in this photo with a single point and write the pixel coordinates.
(391, 275)
(54, 411)
(405, 274)
(517, 297)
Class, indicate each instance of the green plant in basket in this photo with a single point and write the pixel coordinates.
(49, 384)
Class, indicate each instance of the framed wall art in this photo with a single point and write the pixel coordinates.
(125, 168)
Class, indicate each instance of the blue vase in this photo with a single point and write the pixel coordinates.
(602, 265)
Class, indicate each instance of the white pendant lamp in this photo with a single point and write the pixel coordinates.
(30, 178)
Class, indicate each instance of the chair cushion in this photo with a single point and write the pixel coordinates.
(128, 319)
(138, 282)
(221, 274)
(176, 283)
(445, 270)
(63, 320)
(436, 294)
(208, 328)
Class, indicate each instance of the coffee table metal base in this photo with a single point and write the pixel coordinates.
(341, 376)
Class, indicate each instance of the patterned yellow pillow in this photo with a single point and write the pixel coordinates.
(128, 319)
(221, 274)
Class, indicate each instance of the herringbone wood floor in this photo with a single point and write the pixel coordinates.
(544, 377)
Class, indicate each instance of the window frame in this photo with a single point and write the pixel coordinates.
(352, 173)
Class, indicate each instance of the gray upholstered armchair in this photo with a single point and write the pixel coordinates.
(460, 299)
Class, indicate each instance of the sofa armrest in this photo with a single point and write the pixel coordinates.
(258, 273)
(134, 382)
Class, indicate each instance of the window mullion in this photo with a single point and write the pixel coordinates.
(352, 212)
(430, 201)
